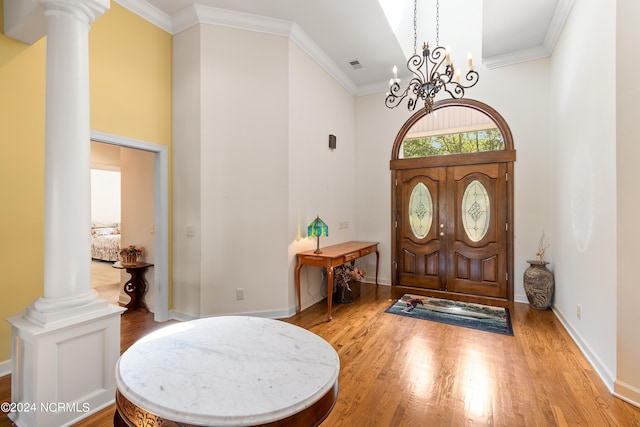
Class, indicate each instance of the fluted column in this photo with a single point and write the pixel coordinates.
(67, 207)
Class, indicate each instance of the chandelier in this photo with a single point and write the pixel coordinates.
(433, 72)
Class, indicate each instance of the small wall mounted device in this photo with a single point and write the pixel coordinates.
(332, 142)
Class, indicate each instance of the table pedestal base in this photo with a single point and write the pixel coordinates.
(130, 415)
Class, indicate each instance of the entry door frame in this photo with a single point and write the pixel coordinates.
(507, 156)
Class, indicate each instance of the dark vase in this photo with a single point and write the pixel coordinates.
(538, 285)
(344, 295)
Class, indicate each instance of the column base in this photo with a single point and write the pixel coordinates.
(46, 311)
(64, 371)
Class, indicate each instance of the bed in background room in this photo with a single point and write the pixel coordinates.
(105, 242)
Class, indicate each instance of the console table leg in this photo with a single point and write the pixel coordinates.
(298, 267)
(329, 291)
(377, 263)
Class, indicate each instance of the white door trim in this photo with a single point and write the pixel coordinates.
(160, 213)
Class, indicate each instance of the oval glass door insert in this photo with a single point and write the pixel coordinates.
(475, 211)
(420, 210)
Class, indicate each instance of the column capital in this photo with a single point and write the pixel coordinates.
(86, 11)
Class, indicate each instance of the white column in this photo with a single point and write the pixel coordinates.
(67, 209)
(66, 344)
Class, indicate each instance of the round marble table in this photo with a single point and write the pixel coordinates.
(227, 371)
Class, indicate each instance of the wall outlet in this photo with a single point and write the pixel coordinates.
(191, 231)
(344, 225)
(579, 311)
(240, 294)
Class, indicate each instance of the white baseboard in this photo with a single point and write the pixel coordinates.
(607, 377)
(521, 298)
(183, 317)
(5, 368)
(269, 314)
(627, 392)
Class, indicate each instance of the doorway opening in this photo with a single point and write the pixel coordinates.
(160, 222)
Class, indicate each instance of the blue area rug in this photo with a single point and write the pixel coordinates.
(475, 316)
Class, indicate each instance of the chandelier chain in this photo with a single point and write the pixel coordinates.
(415, 27)
(437, 22)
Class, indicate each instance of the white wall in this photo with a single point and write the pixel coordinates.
(321, 180)
(252, 168)
(244, 170)
(137, 228)
(186, 171)
(244, 151)
(105, 197)
(583, 205)
(231, 171)
(628, 174)
(105, 183)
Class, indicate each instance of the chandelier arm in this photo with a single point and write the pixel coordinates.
(472, 77)
(414, 64)
(437, 58)
(396, 96)
(455, 90)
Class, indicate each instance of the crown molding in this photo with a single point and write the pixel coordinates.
(305, 42)
(148, 12)
(515, 57)
(198, 14)
(563, 9)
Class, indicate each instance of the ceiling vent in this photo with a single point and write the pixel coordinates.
(355, 64)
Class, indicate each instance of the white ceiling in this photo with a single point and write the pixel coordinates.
(500, 32)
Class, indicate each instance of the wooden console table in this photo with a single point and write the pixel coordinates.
(137, 285)
(331, 257)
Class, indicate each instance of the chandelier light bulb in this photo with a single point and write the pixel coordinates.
(470, 61)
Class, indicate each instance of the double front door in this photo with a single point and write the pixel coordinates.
(452, 229)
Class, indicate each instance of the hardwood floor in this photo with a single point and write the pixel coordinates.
(396, 371)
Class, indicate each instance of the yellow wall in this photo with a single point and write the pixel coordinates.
(130, 67)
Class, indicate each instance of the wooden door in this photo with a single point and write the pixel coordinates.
(420, 210)
(452, 228)
(477, 233)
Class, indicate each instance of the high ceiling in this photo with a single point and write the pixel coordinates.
(376, 35)
(496, 32)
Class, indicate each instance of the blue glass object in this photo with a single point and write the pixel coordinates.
(317, 228)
